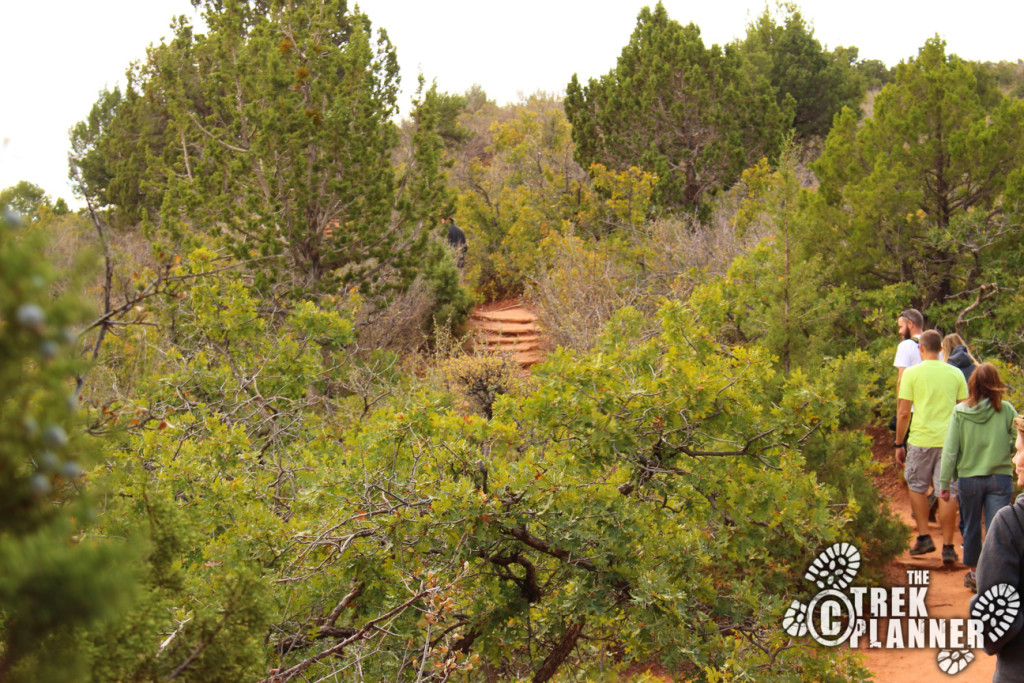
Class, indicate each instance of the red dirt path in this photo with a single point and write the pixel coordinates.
(947, 597)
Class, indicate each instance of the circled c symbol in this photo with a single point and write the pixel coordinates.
(813, 625)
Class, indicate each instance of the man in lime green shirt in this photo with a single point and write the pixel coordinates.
(932, 388)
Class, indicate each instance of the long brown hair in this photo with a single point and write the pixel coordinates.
(953, 340)
(985, 382)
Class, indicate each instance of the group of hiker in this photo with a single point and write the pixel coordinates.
(957, 436)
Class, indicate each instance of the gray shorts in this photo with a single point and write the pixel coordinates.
(922, 469)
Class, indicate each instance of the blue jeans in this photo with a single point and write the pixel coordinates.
(981, 494)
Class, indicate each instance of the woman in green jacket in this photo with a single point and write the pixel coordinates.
(978, 456)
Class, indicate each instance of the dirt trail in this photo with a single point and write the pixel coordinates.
(508, 327)
(947, 597)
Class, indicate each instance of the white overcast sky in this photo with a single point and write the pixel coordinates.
(56, 55)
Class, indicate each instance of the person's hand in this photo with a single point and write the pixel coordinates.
(901, 455)
(944, 495)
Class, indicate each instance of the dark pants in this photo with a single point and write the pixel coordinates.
(981, 495)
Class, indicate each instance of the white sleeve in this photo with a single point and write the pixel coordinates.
(907, 354)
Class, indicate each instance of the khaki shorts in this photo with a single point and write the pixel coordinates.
(922, 469)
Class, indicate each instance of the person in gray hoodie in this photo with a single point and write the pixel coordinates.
(1000, 578)
(956, 353)
(977, 455)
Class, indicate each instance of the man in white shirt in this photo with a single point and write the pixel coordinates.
(908, 354)
(911, 323)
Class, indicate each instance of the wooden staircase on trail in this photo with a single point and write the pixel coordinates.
(511, 328)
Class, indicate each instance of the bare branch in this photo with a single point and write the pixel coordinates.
(214, 137)
(362, 633)
(985, 292)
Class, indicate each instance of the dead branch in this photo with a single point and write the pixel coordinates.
(985, 292)
(362, 633)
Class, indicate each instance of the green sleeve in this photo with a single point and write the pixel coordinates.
(907, 386)
(950, 452)
(1011, 432)
(961, 392)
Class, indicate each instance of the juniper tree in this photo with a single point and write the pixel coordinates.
(925, 190)
(272, 131)
(820, 82)
(693, 115)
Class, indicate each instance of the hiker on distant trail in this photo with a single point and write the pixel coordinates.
(956, 353)
(977, 455)
(456, 239)
(932, 389)
(1001, 563)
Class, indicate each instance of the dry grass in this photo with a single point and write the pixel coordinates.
(401, 326)
(584, 283)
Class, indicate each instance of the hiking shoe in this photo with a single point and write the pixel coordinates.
(971, 581)
(949, 555)
(924, 545)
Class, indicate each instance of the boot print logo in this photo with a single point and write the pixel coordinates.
(894, 618)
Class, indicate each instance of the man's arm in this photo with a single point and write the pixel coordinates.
(899, 380)
(950, 456)
(902, 424)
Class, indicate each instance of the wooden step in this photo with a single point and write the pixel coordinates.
(499, 326)
(506, 316)
(511, 348)
(503, 339)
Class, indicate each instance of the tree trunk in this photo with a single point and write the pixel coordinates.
(559, 653)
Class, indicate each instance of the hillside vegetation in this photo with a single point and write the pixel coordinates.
(241, 437)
